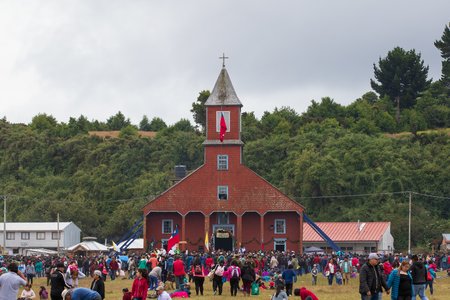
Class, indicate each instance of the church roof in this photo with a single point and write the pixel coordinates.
(223, 92)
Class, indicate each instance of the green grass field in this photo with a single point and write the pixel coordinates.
(322, 290)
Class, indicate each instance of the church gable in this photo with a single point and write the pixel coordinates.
(244, 189)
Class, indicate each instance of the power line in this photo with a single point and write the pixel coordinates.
(15, 197)
(149, 197)
(431, 196)
(350, 196)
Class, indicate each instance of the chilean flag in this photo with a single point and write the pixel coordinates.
(173, 240)
(223, 127)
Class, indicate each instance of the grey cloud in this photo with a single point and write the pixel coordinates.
(153, 57)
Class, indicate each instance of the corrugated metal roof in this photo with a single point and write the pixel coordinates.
(34, 226)
(223, 92)
(347, 231)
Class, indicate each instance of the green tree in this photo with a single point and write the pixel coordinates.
(128, 131)
(118, 121)
(199, 110)
(444, 47)
(157, 124)
(325, 109)
(251, 129)
(43, 122)
(144, 124)
(401, 76)
(183, 125)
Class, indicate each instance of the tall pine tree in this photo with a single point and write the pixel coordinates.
(401, 76)
(444, 46)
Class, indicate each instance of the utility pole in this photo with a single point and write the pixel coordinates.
(409, 225)
(58, 231)
(4, 224)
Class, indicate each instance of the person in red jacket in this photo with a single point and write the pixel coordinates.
(114, 268)
(208, 263)
(387, 268)
(126, 294)
(198, 274)
(178, 272)
(305, 294)
(140, 285)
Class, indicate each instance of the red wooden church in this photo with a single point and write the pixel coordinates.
(223, 199)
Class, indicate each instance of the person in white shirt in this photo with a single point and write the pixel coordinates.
(28, 293)
(162, 294)
(10, 282)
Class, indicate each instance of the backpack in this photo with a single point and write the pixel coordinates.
(429, 277)
(234, 272)
(255, 289)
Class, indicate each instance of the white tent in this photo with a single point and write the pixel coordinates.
(89, 244)
(40, 251)
(137, 244)
(313, 249)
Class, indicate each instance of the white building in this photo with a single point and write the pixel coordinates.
(31, 235)
(356, 237)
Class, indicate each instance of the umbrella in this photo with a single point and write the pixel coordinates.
(123, 257)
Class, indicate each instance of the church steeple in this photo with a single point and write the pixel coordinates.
(223, 104)
(223, 92)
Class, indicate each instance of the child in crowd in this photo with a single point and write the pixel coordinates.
(338, 278)
(126, 294)
(43, 294)
(27, 293)
(272, 285)
(314, 273)
(305, 294)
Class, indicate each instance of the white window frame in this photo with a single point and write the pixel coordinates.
(278, 242)
(55, 235)
(171, 226)
(226, 116)
(221, 188)
(40, 236)
(275, 231)
(10, 236)
(222, 162)
(24, 236)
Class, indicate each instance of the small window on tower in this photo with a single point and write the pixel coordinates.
(226, 116)
(222, 162)
(222, 192)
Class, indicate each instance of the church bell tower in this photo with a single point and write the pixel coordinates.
(223, 102)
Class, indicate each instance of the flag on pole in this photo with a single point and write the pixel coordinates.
(115, 248)
(206, 242)
(173, 240)
(223, 127)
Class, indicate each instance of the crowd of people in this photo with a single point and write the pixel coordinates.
(157, 273)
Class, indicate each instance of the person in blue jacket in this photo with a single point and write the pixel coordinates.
(80, 294)
(400, 282)
(431, 275)
(289, 277)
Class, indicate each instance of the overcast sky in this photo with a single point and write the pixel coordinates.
(95, 58)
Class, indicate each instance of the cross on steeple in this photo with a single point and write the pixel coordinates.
(223, 57)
